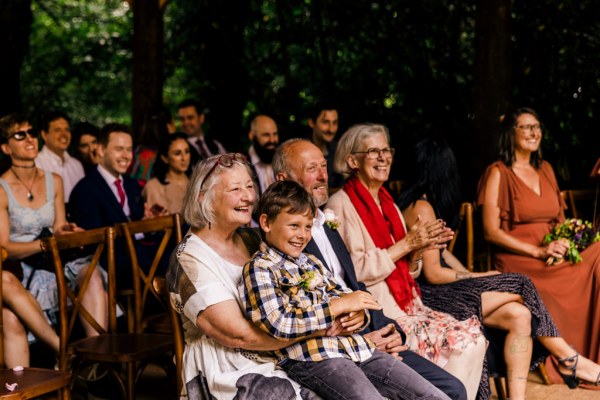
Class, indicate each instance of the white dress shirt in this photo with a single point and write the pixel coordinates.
(110, 181)
(69, 168)
(322, 242)
(264, 171)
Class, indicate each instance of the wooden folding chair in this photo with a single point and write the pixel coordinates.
(160, 288)
(170, 228)
(108, 348)
(465, 223)
(581, 203)
(31, 382)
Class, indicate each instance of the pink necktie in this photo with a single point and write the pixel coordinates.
(121, 192)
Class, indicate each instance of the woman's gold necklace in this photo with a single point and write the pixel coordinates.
(29, 189)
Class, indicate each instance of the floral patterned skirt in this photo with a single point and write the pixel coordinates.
(434, 335)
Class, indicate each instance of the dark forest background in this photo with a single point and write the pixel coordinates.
(430, 67)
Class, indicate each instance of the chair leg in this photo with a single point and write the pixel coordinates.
(544, 374)
(131, 380)
(502, 392)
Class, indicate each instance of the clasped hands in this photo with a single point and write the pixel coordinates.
(428, 235)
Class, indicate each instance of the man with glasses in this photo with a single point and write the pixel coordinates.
(54, 157)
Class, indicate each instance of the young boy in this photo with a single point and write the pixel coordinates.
(290, 295)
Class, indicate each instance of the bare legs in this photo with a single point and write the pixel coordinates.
(94, 300)
(505, 311)
(23, 309)
(16, 347)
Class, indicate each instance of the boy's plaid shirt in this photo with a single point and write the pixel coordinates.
(275, 295)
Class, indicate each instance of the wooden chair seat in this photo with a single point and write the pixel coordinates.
(122, 347)
(32, 382)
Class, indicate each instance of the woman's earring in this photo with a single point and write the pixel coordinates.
(209, 225)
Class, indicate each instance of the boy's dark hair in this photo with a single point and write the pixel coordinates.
(106, 130)
(286, 196)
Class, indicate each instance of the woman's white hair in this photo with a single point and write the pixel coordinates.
(351, 141)
(198, 213)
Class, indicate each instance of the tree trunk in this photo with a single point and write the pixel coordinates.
(492, 81)
(15, 27)
(148, 28)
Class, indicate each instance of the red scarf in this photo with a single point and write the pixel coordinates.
(399, 281)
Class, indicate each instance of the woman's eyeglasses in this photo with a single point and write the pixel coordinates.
(21, 135)
(224, 160)
(531, 128)
(373, 153)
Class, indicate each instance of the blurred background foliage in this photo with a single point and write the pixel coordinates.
(407, 64)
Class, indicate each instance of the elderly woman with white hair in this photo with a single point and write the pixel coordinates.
(387, 262)
(202, 279)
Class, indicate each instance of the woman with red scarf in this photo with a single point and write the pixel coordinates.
(386, 261)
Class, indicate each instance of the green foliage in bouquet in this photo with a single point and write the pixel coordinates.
(580, 235)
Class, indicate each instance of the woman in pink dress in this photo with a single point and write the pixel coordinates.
(521, 202)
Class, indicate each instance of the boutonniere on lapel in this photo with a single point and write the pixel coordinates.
(330, 219)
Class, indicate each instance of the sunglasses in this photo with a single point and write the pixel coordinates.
(21, 135)
(224, 160)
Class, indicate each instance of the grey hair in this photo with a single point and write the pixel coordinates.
(198, 213)
(280, 162)
(350, 142)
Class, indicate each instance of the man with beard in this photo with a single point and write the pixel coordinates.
(324, 122)
(265, 138)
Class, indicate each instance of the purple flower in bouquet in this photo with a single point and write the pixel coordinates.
(578, 233)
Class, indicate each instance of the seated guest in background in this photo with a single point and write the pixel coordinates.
(203, 276)
(31, 207)
(83, 145)
(324, 123)
(106, 196)
(265, 138)
(191, 118)
(303, 162)
(388, 260)
(153, 131)
(508, 302)
(288, 294)
(22, 313)
(171, 170)
(54, 156)
(521, 202)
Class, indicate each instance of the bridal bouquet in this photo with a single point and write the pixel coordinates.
(580, 235)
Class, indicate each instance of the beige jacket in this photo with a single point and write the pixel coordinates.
(372, 265)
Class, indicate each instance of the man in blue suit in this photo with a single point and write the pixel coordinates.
(106, 196)
(303, 162)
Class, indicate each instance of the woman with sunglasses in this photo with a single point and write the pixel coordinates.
(203, 279)
(521, 202)
(31, 202)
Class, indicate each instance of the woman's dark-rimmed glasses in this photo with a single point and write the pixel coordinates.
(373, 153)
(224, 160)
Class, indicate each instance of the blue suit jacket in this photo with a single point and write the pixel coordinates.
(93, 205)
(378, 319)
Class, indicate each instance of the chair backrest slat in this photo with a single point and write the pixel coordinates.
(143, 275)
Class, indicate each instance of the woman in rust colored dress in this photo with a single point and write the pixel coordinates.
(521, 202)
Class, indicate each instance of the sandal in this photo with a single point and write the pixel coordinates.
(571, 379)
